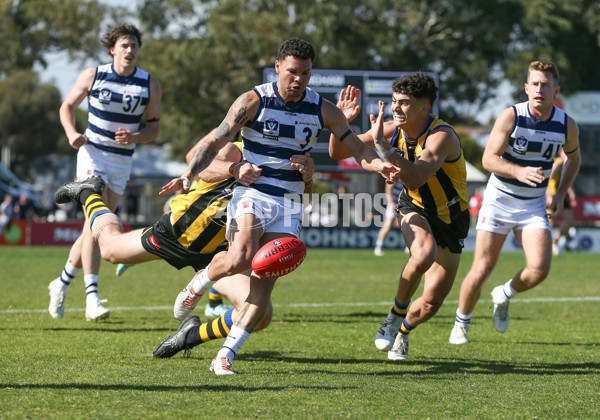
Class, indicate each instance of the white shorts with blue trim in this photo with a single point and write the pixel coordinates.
(114, 169)
(501, 212)
(275, 214)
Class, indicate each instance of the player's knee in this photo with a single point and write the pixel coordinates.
(539, 273)
(422, 259)
(266, 319)
(479, 274)
(110, 256)
(432, 306)
(237, 263)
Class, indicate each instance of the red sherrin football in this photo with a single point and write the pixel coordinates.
(279, 257)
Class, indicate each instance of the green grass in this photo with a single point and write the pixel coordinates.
(314, 361)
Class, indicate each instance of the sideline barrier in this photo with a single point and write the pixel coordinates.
(44, 233)
(65, 233)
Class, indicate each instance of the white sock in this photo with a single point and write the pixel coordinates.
(202, 283)
(91, 287)
(379, 245)
(462, 319)
(233, 342)
(508, 290)
(68, 274)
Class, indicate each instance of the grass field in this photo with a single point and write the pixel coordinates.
(317, 358)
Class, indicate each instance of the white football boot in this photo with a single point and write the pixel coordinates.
(186, 301)
(58, 294)
(400, 349)
(221, 366)
(384, 339)
(94, 311)
(500, 317)
(459, 334)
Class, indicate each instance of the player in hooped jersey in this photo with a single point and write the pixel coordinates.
(119, 94)
(521, 149)
(277, 120)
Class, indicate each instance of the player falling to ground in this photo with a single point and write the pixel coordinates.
(525, 140)
(189, 235)
(432, 207)
(119, 94)
(277, 120)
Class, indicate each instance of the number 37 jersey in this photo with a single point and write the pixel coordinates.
(281, 129)
(532, 143)
(116, 101)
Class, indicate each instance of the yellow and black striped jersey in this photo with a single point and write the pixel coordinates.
(199, 217)
(445, 194)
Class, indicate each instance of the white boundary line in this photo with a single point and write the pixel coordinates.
(317, 305)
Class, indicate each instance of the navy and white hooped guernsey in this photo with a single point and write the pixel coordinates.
(116, 101)
(532, 143)
(281, 129)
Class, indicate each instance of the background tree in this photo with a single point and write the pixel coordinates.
(29, 29)
(207, 53)
(28, 117)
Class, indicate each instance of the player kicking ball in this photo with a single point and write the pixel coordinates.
(166, 240)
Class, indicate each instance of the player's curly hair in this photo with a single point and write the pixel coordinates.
(124, 29)
(297, 48)
(419, 85)
(545, 66)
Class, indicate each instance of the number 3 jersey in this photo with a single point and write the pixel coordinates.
(116, 101)
(281, 129)
(532, 143)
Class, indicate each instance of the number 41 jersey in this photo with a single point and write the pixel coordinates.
(281, 129)
(532, 143)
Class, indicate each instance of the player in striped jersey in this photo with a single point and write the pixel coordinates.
(525, 140)
(118, 94)
(277, 120)
(189, 235)
(433, 205)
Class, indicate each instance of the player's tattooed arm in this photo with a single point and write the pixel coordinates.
(203, 157)
(240, 112)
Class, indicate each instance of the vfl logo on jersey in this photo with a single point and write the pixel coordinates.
(271, 129)
(520, 145)
(104, 96)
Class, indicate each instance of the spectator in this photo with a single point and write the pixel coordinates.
(475, 205)
(25, 210)
(132, 199)
(6, 212)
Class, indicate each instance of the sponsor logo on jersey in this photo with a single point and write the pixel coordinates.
(520, 145)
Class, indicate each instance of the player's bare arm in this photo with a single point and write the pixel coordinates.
(241, 111)
(336, 122)
(496, 145)
(229, 163)
(74, 98)
(441, 145)
(153, 114)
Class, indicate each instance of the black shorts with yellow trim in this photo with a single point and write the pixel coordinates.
(159, 240)
(451, 236)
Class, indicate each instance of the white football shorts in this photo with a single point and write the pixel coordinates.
(501, 213)
(114, 169)
(276, 214)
